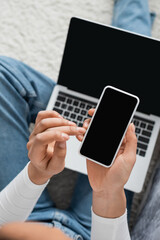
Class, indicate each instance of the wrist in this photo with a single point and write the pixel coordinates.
(36, 176)
(110, 204)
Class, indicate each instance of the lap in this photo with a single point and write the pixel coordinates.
(23, 93)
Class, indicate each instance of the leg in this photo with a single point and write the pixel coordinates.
(75, 222)
(80, 207)
(23, 92)
(36, 231)
(133, 15)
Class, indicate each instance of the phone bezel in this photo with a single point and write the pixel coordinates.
(124, 92)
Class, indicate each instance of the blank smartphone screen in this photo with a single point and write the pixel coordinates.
(108, 126)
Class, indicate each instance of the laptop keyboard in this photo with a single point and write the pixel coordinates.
(76, 109)
(73, 108)
(143, 129)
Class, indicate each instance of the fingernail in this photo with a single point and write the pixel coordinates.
(80, 137)
(85, 124)
(133, 127)
(62, 145)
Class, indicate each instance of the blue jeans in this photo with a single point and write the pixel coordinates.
(133, 15)
(23, 93)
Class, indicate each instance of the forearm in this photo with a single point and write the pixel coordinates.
(109, 205)
(109, 217)
(36, 176)
(30, 231)
(18, 198)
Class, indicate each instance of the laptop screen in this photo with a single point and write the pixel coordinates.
(96, 55)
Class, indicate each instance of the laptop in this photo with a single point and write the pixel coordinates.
(97, 55)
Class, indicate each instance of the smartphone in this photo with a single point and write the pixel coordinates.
(109, 123)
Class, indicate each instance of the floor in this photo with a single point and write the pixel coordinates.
(35, 31)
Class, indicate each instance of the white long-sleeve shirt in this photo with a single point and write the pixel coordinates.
(18, 199)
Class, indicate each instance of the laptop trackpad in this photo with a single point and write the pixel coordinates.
(74, 160)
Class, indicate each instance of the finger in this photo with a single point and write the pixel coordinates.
(124, 140)
(50, 123)
(57, 162)
(131, 143)
(47, 114)
(91, 111)
(58, 134)
(70, 130)
(121, 150)
(123, 143)
(86, 123)
(37, 147)
(80, 137)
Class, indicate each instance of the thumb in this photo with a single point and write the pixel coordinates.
(57, 163)
(131, 144)
(60, 149)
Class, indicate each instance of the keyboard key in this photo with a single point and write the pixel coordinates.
(70, 108)
(137, 130)
(60, 111)
(142, 146)
(143, 139)
(64, 106)
(75, 103)
(142, 153)
(61, 98)
(66, 114)
(136, 123)
(80, 124)
(79, 118)
(69, 101)
(57, 104)
(76, 110)
(150, 127)
(83, 112)
(82, 105)
(88, 107)
(146, 133)
(73, 116)
(143, 125)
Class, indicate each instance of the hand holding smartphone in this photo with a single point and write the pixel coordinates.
(108, 125)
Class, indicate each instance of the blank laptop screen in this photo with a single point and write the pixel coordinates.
(97, 55)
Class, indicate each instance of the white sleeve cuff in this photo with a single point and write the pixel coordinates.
(29, 184)
(109, 228)
(19, 197)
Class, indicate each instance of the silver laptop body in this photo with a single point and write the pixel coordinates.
(96, 55)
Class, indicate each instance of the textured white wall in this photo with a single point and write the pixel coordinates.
(34, 31)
